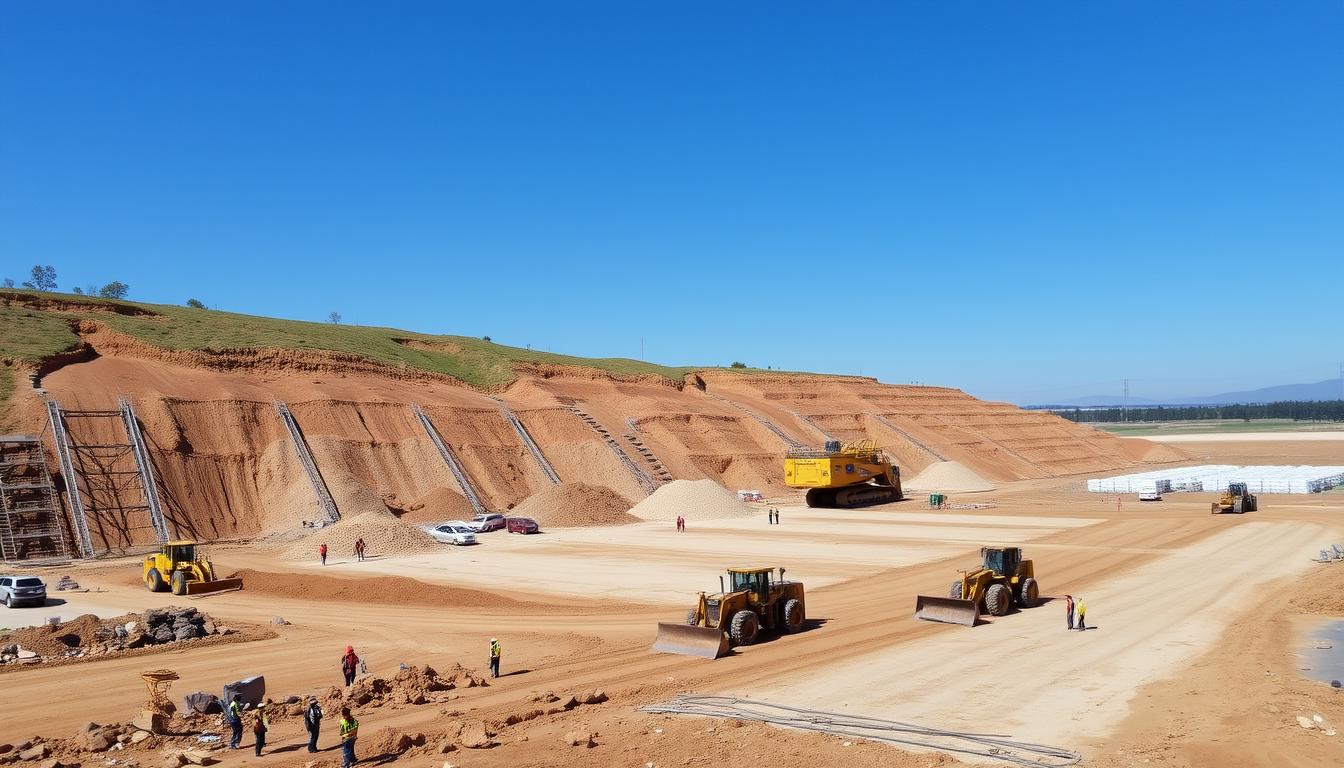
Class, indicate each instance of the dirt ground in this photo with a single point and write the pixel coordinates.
(1191, 663)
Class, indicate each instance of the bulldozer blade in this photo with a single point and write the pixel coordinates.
(949, 610)
(690, 640)
(219, 586)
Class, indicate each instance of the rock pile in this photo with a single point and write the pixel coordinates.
(411, 685)
(90, 636)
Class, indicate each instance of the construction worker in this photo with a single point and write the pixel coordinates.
(234, 715)
(359, 549)
(1082, 615)
(261, 725)
(312, 720)
(1068, 609)
(349, 665)
(495, 651)
(349, 732)
(322, 550)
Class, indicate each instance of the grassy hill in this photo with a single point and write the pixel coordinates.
(35, 326)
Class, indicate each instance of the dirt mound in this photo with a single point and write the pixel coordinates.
(411, 685)
(693, 500)
(47, 640)
(577, 504)
(948, 477)
(89, 636)
(382, 532)
(434, 507)
(382, 589)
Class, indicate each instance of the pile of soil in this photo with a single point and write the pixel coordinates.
(570, 505)
(693, 500)
(398, 590)
(411, 685)
(382, 532)
(437, 506)
(948, 477)
(90, 636)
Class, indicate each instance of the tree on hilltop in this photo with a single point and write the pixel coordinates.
(114, 290)
(44, 278)
(334, 318)
(195, 304)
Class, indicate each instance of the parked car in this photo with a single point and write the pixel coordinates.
(22, 590)
(521, 525)
(451, 533)
(488, 521)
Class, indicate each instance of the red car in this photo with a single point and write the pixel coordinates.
(521, 525)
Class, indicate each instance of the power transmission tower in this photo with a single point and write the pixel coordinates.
(1124, 403)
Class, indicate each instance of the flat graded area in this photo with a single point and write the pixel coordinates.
(1187, 608)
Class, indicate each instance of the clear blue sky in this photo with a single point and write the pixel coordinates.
(1030, 201)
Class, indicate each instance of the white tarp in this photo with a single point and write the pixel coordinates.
(1215, 477)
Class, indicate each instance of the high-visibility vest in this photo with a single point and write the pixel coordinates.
(349, 729)
(494, 650)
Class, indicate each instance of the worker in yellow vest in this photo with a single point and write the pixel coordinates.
(495, 651)
(349, 732)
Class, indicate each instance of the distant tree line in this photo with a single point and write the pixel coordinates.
(43, 278)
(1301, 410)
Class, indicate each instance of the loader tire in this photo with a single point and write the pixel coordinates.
(793, 616)
(954, 591)
(1031, 594)
(998, 599)
(179, 582)
(744, 628)
(154, 581)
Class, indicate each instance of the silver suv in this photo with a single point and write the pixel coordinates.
(20, 590)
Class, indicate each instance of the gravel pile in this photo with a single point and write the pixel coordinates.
(382, 532)
(570, 505)
(948, 477)
(693, 500)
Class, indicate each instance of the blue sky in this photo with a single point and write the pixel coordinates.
(1030, 201)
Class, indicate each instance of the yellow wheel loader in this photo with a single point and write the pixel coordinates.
(1237, 499)
(179, 567)
(1003, 580)
(842, 476)
(751, 603)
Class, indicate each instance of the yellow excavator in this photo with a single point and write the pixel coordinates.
(840, 476)
(1004, 579)
(752, 601)
(179, 567)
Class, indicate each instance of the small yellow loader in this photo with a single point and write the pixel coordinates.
(752, 601)
(177, 566)
(1002, 580)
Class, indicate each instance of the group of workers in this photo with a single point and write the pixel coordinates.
(1076, 608)
(313, 714)
(360, 546)
(312, 722)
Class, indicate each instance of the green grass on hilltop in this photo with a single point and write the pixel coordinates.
(1200, 427)
(38, 333)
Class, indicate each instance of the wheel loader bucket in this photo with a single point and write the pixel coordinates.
(690, 640)
(950, 610)
(218, 586)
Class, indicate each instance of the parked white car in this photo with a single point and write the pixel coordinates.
(452, 533)
(489, 521)
(20, 590)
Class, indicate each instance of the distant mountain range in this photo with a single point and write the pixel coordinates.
(1321, 390)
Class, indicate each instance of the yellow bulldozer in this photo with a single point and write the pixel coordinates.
(841, 476)
(1237, 499)
(753, 601)
(179, 567)
(1004, 579)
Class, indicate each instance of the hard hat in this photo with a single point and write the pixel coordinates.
(349, 649)
(494, 640)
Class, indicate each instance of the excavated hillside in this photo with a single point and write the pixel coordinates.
(227, 467)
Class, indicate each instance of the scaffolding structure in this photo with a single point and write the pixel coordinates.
(31, 526)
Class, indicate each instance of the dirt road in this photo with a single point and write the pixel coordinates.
(1066, 687)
